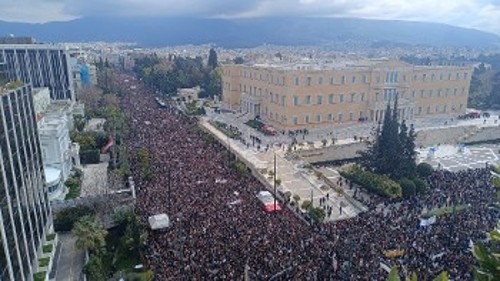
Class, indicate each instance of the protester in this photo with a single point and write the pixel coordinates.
(219, 232)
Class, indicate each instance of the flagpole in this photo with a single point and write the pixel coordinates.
(275, 194)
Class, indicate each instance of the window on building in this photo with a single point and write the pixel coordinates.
(343, 79)
(353, 79)
(331, 80)
(361, 115)
(276, 98)
(378, 78)
(271, 97)
(419, 110)
(404, 77)
(449, 76)
(439, 92)
(458, 76)
(433, 77)
(362, 97)
(463, 91)
(341, 117)
(295, 101)
(330, 117)
(295, 120)
(308, 99)
(309, 80)
(331, 99)
(421, 93)
(353, 97)
(415, 77)
(351, 116)
(296, 81)
(445, 108)
(428, 109)
(430, 93)
(455, 91)
(320, 80)
(341, 98)
(441, 76)
(447, 91)
(364, 79)
(413, 94)
(424, 77)
(318, 118)
(282, 100)
(306, 119)
(465, 75)
(319, 99)
(396, 80)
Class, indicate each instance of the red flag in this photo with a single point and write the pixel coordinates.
(108, 145)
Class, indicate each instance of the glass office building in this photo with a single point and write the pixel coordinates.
(42, 65)
(24, 210)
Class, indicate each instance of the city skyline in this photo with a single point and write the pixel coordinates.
(478, 14)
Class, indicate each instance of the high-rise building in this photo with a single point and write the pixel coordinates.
(42, 65)
(24, 210)
(301, 95)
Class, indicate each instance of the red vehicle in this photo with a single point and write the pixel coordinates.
(268, 130)
(473, 114)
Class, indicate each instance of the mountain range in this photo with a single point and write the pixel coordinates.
(152, 32)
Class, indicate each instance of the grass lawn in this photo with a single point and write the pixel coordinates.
(445, 210)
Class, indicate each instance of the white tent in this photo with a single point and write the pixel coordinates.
(159, 221)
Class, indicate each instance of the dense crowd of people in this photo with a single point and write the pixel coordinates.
(219, 232)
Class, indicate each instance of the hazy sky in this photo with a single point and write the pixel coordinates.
(480, 14)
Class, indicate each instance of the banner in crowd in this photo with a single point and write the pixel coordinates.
(427, 222)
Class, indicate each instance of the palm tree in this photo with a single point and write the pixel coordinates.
(90, 234)
(488, 258)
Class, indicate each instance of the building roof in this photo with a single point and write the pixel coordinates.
(52, 175)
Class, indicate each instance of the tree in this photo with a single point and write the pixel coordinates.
(424, 170)
(212, 59)
(392, 152)
(238, 60)
(90, 234)
(408, 187)
(317, 214)
(94, 269)
(488, 257)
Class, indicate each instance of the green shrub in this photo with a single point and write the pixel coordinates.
(296, 197)
(317, 214)
(306, 204)
(39, 276)
(496, 181)
(50, 237)
(72, 182)
(420, 185)
(66, 218)
(91, 156)
(43, 262)
(424, 170)
(47, 248)
(408, 187)
(379, 184)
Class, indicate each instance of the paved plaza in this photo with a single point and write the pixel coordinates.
(295, 178)
(455, 158)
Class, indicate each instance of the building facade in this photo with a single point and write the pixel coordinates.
(300, 96)
(24, 210)
(39, 64)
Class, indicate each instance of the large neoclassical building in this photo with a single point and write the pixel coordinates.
(306, 95)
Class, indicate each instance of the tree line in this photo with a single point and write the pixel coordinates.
(173, 72)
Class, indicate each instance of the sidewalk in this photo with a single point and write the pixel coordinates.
(71, 260)
(294, 178)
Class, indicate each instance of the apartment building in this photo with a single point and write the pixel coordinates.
(306, 95)
(24, 210)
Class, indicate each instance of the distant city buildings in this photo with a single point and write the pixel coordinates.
(41, 65)
(25, 215)
(301, 95)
